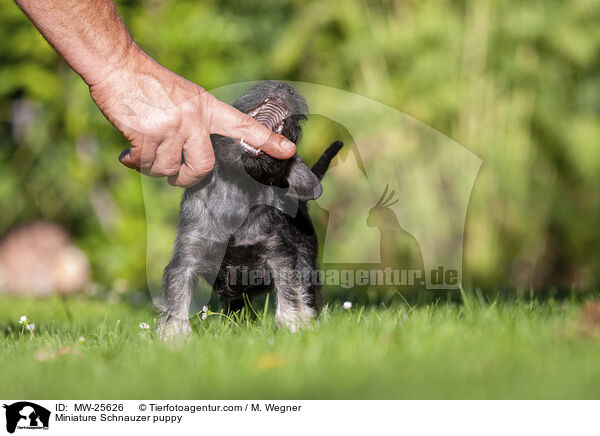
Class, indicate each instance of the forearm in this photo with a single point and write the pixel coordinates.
(88, 34)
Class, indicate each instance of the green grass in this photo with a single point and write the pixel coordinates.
(474, 350)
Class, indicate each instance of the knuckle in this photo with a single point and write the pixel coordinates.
(164, 172)
(185, 182)
(171, 123)
(166, 168)
(167, 171)
(167, 123)
(204, 167)
(197, 107)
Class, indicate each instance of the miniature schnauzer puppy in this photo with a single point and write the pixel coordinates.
(249, 218)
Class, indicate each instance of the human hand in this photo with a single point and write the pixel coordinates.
(168, 121)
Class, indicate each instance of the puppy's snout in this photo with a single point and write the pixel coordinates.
(286, 88)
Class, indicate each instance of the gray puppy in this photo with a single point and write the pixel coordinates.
(245, 229)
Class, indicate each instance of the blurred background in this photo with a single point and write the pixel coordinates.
(517, 83)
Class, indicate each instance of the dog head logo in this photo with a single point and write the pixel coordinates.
(26, 415)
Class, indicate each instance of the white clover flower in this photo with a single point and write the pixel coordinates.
(26, 322)
(204, 312)
(347, 305)
(81, 339)
(144, 326)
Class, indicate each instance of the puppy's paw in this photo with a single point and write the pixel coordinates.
(295, 320)
(172, 328)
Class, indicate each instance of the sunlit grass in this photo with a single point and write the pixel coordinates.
(83, 348)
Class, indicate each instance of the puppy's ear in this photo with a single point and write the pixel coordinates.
(303, 183)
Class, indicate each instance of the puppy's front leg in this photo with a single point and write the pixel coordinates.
(193, 257)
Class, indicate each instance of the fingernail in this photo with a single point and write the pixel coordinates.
(123, 154)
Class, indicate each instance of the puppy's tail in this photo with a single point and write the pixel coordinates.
(322, 164)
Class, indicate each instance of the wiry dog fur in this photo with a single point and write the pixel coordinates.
(236, 218)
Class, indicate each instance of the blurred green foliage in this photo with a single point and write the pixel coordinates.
(517, 83)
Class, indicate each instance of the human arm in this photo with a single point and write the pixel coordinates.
(166, 118)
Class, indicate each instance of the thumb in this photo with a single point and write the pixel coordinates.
(228, 121)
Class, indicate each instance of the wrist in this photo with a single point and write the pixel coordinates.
(127, 58)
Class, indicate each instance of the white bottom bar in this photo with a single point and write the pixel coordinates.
(262, 417)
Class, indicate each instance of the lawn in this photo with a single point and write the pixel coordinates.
(90, 349)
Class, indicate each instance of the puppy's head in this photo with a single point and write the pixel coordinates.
(277, 106)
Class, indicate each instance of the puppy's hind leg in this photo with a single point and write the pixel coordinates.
(296, 299)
